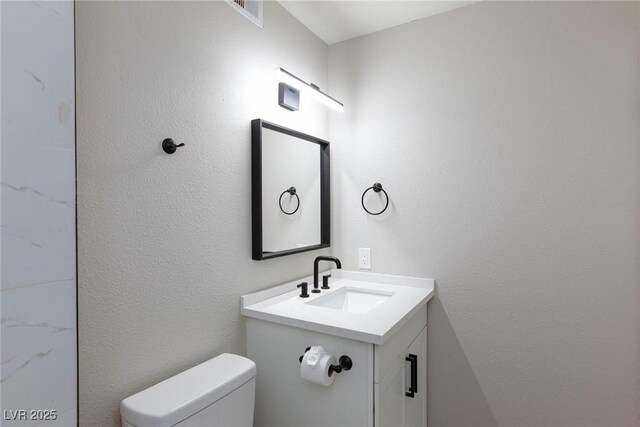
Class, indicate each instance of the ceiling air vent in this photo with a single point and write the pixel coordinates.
(252, 9)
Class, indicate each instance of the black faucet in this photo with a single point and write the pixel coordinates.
(315, 269)
(303, 291)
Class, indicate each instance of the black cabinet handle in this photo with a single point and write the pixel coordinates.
(413, 388)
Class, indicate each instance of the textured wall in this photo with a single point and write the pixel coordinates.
(507, 135)
(165, 241)
(38, 212)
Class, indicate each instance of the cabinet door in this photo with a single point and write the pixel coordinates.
(390, 396)
(415, 408)
(393, 407)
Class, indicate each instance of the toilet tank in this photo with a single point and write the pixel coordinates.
(218, 392)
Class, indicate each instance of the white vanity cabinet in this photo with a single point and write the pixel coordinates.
(381, 324)
(372, 393)
(400, 381)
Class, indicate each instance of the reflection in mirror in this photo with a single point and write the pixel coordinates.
(290, 194)
(289, 162)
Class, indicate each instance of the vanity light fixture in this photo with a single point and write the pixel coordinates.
(291, 86)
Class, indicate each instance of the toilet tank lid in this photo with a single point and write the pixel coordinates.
(171, 401)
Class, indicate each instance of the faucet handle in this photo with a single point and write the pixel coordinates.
(325, 281)
(304, 292)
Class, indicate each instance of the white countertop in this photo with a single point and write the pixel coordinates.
(282, 304)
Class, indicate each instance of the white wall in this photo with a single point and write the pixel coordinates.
(507, 135)
(165, 241)
(38, 211)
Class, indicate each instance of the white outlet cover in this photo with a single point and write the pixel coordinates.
(364, 258)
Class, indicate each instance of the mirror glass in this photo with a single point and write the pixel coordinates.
(292, 185)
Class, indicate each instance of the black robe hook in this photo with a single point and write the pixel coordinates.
(169, 146)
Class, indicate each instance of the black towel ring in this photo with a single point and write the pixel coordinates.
(292, 191)
(377, 187)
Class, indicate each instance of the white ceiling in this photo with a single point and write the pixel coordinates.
(335, 21)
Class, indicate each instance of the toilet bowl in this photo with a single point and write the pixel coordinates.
(218, 392)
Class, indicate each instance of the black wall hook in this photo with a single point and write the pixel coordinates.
(377, 187)
(169, 146)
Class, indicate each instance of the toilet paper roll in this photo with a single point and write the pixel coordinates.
(318, 374)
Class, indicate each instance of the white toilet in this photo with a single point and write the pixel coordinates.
(217, 393)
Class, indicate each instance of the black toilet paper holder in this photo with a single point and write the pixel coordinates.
(344, 363)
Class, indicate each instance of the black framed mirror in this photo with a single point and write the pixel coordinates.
(289, 191)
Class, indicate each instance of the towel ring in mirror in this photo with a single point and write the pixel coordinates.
(292, 191)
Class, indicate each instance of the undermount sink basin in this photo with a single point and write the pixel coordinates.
(352, 300)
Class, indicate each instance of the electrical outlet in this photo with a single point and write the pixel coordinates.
(364, 258)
